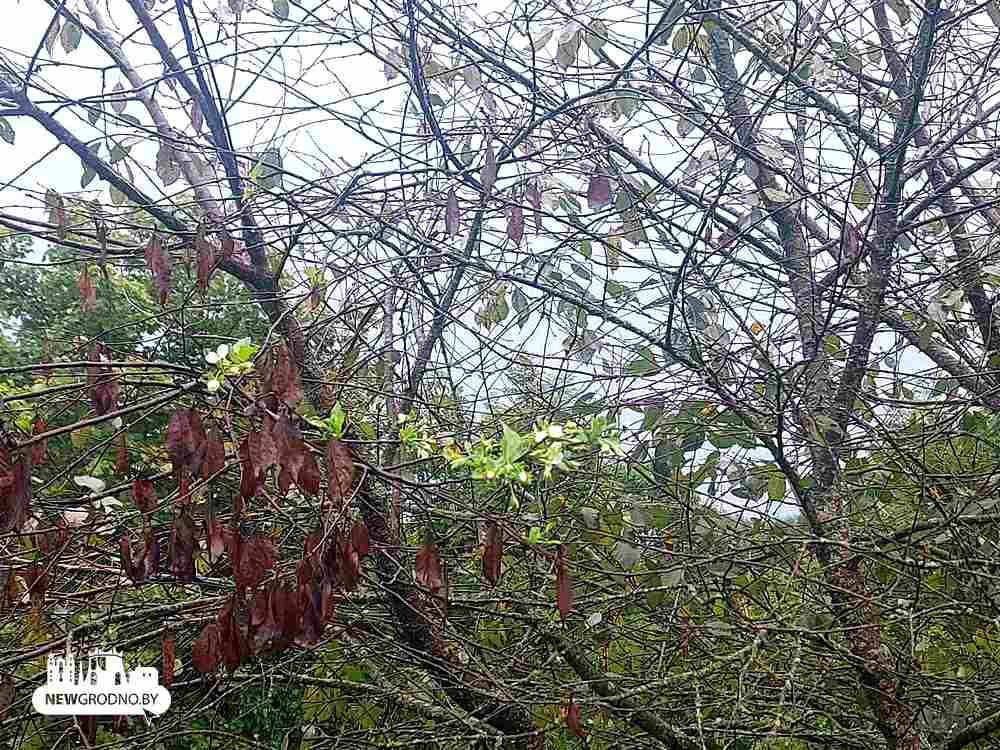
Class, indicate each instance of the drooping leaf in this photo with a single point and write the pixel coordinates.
(70, 36)
(39, 449)
(492, 552)
(167, 168)
(168, 657)
(535, 198)
(598, 192)
(568, 45)
(125, 556)
(88, 292)
(257, 555)
(339, 472)
(182, 546)
(488, 176)
(144, 495)
(451, 214)
(205, 651)
(15, 493)
(57, 212)
(158, 261)
(571, 715)
(861, 194)
(280, 376)
(196, 116)
(515, 224)
(53, 35)
(427, 568)
(359, 537)
(250, 476)
(280, 8)
(564, 584)
(6, 131)
(149, 561)
(121, 454)
(205, 262)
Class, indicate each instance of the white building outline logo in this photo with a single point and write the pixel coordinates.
(98, 685)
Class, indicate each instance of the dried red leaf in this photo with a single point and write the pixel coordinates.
(205, 652)
(125, 556)
(144, 495)
(215, 455)
(492, 552)
(284, 610)
(571, 715)
(217, 537)
(88, 292)
(167, 649)
(15, 495)
(39, 450)
(51, 540)
(234, 624)
(182, 545)
(451, 214)
(158, 261)
(309, 596)
(312, 549)
(428, 568)
(515, 224)
(564, 584)
(598, 191)
(256, 557)
(250, 477)
(186, 440)
(121, 454)
(149, 562)
(308, 478)
(359, 537)
(339, 473)
(102, 381)
(488, 176)
(280, 376)
(350, 564)
(204, 262)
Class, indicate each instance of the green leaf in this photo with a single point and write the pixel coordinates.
(776, 487)
(520, 302)
(512, 445)
(270, 172)
(650, 416)
(861, 194)
(645, 364)
(337, 419)
(6, 131)
(87, 177)
(280, 8)
(70, 36)
(614, 288)
(901, 10)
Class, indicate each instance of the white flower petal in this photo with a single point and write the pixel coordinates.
(93, 484)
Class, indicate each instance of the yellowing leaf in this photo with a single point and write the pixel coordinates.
(861, 194)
